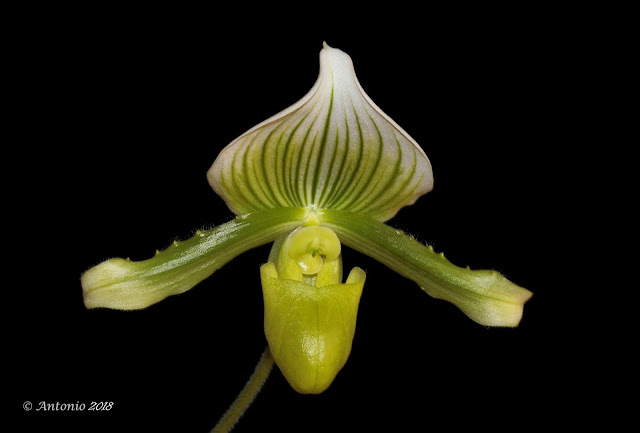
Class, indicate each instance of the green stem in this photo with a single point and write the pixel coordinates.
(485, 296)
(247, 395)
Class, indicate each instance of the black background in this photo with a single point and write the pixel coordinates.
(123, 117)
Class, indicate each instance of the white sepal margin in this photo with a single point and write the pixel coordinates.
(333, 149)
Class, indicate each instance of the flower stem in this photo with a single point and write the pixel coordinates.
(247, 395)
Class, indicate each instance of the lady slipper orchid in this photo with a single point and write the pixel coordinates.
(327, 171)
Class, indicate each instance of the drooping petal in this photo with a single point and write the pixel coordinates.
(127, 285)
(333, 149)
(485, 296)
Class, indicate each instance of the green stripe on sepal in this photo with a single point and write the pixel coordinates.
(332, 149)
(485, 296)
(128, 285)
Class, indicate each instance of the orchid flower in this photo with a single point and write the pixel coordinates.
(327, 171)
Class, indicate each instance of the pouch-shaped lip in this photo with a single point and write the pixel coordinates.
(310, 329)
